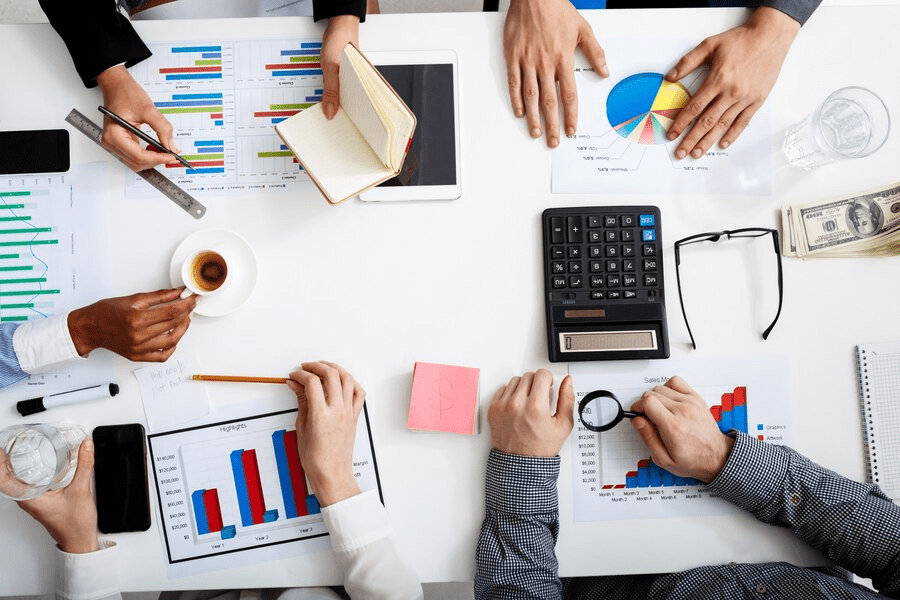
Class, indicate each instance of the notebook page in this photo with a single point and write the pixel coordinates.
(881, 364)
(360, 107)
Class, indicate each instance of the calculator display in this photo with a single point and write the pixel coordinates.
(603, 282)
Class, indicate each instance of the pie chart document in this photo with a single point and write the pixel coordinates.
(621, 144)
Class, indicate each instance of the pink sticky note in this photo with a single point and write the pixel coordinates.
(444, 398)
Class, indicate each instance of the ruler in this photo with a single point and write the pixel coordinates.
(152, 176)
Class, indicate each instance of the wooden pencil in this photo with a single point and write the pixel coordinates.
(239, 379)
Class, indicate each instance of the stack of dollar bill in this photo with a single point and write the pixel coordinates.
(865, 224)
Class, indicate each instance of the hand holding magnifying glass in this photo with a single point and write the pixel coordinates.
(600, 410)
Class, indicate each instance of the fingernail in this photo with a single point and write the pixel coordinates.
(554, 142)
(536, 132)
(679, 154)
(570, 131)
(671, 74)
(89, 445)
(638, 424)
(671, 135)
(177, 150)
(697, 153)
(723, 144)
(604, 70)
(520, 113)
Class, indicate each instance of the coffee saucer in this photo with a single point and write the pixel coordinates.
(241, 267)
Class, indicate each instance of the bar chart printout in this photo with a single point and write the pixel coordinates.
(235, 492)
(613, 474)
(43, 218)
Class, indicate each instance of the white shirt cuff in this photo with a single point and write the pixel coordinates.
(42, 346)
(87, 576)
(356, 522)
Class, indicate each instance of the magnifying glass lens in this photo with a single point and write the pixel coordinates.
(601, 412)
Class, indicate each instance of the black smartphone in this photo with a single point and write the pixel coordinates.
(36, 151)
(120, 478)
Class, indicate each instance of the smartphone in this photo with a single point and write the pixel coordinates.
(120, 478)
(37, 151)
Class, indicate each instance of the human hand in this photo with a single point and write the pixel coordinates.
(744, 63)
(680, 432)
(70, 515)
(341, 30)
(520, 417)
(539, 40)
(140, 327)
(328, 405)
(125, 97)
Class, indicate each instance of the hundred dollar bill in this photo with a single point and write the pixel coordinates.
(862, 224)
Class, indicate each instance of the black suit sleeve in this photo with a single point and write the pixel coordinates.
(323, 9)
(96, 35)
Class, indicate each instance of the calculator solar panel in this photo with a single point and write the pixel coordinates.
(603, 279)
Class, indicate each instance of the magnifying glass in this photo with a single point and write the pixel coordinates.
(601, 410)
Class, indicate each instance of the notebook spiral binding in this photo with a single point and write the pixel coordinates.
(865, 413)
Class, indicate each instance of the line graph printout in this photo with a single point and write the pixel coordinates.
(234, 492)
(620, 145)
(613, 475)
(223, 99)
(54, 257)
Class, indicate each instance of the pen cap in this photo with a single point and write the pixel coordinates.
(30, 407)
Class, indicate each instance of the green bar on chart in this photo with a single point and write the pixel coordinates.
(25, 280)
(28, 230)
(10, 306)
(30, 243)
(16, 318)
(29, 293)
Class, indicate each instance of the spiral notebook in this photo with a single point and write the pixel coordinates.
(879, 396)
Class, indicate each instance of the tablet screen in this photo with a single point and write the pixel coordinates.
(428, 91)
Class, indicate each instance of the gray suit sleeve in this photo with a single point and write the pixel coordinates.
(799, 10)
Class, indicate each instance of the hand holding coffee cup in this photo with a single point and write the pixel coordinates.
(204, 273)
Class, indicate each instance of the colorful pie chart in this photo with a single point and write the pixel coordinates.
(642, 107)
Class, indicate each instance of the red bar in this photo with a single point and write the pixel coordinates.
(213, 510)
(294, 66)
(761, 438)
(727, 402)
(254, 486)
(298, 479)
(716, 412)
(740, 396)
(607, 487)
(643, 463)
(198, 163)
(619, 486)
(190, 70)
(215, 116)
(296, 162)
(276, 113)
(631, 474)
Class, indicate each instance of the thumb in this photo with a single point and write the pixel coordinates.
(650, 435)
(593, 51)
(565, 404)
(331, 92)
(690, 61)
(82, 479)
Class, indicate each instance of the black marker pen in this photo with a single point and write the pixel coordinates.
(95, 392)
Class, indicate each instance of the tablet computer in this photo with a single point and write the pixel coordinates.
(427, 81)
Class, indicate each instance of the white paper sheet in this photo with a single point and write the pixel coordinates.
(169, 395)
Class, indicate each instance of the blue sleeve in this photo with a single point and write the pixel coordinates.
(516, 553)
(10, 371)
(853, 524)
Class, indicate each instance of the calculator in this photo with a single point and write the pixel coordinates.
(603, 277)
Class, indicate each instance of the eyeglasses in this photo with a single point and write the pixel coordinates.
(748, 232)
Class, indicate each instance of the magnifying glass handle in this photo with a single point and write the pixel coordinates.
(632, 414)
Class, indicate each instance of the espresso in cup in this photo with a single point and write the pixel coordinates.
(209, 271)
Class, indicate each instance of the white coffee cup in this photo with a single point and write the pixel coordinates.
(205, 272)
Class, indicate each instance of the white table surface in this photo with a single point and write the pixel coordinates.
(377, 287)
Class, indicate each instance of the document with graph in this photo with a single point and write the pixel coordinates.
(54, 257)
(223, 99)
(878, 366)
(234, 492)
(613, 475)
(621, 143)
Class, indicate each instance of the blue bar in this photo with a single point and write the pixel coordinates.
(681, 481)
(211, 55)
(283, 147)
(297, 72)
(739, 418)
(656, 475)
(312, 505)
(284, 475)
(194, 96)
(299, 52)
(630, 482)
(200, 512)
(197, 49)
(210, 143)
(314, 98)
(643, 478)
(727, 421)
(311, 45)
(219, 122)
(203, 171)
(208, 149)
(668, 479)
(277, 120)
(228, 532)
(270, 516)
(692, 481)
(319, 92)
(581, 4)
(240, 485)
(186, 103)
(177, 76)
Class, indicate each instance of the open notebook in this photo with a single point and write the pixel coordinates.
(879, 397)
(364, 144)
